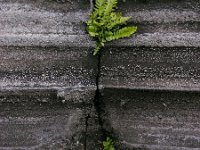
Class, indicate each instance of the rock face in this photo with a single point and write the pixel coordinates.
(153, 119)
(150, 82)
(143, 91)
(47, 76)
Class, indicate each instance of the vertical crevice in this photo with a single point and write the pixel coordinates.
(100, 107)
(97, 105)
(86, 129)
(88, 115)
(105, 127)
(97, 100)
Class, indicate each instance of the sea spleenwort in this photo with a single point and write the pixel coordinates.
(106, 25)
(108, 144)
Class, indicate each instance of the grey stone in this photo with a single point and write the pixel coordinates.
(43, 16)
(47, 76)
(48, 119)
(42, 127)
(39, 48)
(149, 83)
(147, 119)
(47, 67)
(174, 68)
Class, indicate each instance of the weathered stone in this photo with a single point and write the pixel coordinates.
(47, 67)
(48, 119)
(142, 6)
(147, 119)
(42, 127)
(174, 68)
(150, 82)
(39, 48)
(47, 76)
(43, 16)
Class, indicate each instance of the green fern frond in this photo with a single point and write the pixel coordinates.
(108, 144)
(117, 19)
(98, 47)
(110, 5)
(96, 50)
(100, 7)
(92, 30)
(100, 3)
(124, 32)
(106, 25)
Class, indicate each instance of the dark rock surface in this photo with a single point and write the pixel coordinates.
(175, 68)
(148, 84)
(153, 119)
(43, 126)
(48, 119)
(47, 76)
(47, 66)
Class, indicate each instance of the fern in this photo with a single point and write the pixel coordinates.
(106, 25)
(124, 32)
(100, 3)
(108, 144)
(110, 5)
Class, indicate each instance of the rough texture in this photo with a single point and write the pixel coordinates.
(43, 16)
(150, 82)
(47, 118)
(149, 119)
(47, 66)
(174, 68)
(42, 127)
(38, 51)
(47, 80)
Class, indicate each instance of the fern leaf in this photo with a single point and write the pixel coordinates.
(92, 18)
(110, 5)
(117, 19)
(99, 45)
(96, 50)
(104, 24)
(92, 30)
(99, 3)
(122, 20)
(100, 7)
(124, 32)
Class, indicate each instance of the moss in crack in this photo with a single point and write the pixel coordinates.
(106, 25)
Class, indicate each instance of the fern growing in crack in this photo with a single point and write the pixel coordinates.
(108, 144)
(107, 25)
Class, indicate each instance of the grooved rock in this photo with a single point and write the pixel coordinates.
(47, 76)
(40, 45)
(150, 82)
(175, 68)
(42, 127)
(46, 66)
(48, 119)
(147, 119)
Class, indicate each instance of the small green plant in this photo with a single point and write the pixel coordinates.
(108, 144)
(107, 25)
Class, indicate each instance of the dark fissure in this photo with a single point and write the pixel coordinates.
(98, 102)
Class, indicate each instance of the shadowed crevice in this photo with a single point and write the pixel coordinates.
(106, 129)
(99, 105)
